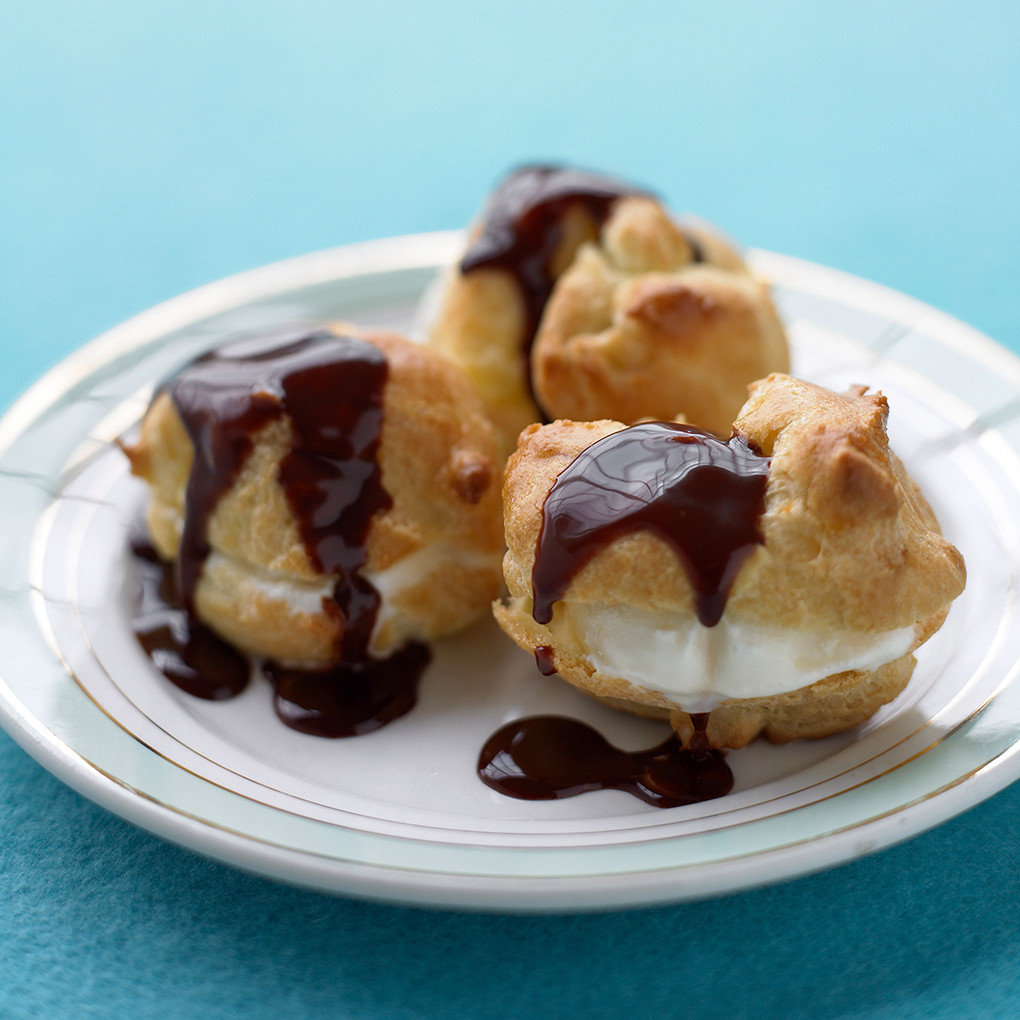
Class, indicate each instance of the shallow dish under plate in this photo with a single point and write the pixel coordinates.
(399, 814)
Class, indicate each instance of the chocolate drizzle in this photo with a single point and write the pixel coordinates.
(330, 388)
(702, 496)
(552, 757)
(330, 391)
(186, 651)
(522, 227)
(349, 699)
(545, 660)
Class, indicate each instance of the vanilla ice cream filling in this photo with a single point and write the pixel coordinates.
(295, 594)
(699, 667)
(419, 568)
(305, 597)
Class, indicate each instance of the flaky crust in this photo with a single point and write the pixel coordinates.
(636, 328)
(850, 544)
(439, 464)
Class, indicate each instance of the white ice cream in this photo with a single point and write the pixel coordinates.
(306, 597)
(699, 667)
(417, 568)
(297, 595)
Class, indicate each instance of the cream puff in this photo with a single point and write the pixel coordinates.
(325, 493)
(778, 581)
(578, 296)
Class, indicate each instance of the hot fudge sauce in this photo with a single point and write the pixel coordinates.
(702, 496)
(551, 757)
(545, 660)
(184, 649)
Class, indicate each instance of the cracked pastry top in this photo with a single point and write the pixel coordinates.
(779, 580)
(580, 297)
(324, 493)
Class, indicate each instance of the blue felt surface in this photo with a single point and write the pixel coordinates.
(149, 148)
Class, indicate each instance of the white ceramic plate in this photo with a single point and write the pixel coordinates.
(399, 814)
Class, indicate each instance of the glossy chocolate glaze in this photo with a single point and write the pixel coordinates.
(186, 651)
(702, 496)
(552, 757)
(545, 660)
(349, 699)
(330, 390)
(346, 700)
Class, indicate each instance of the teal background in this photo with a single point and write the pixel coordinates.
(147, 148)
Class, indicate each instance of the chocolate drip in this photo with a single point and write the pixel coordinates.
(544, 660)
(186, 651)
(523, 225)
(346, 700)
(330, 390)
(552, 757)
(702, 496)
(350, 698)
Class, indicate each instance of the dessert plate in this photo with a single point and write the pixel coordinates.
(399, 814)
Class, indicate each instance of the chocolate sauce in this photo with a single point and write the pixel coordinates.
(522, 227)
(330, 389)
(702, 496)
(552, 757)
(184, 649)
(345, 700)
(349, 699)
(544, 660)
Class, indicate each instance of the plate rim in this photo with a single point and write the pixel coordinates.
(429, 888)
